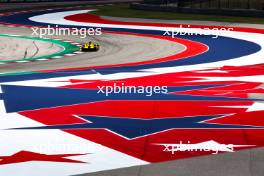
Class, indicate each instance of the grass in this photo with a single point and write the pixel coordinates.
(123, 10)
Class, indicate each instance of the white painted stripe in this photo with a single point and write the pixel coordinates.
(78, 52)
(57, 57)
(57, 39)
(22, 61)
(58, 18)
(69, 54)
(256, 58)
(13, 35)
(42, 59)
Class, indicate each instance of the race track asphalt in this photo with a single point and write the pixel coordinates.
(115, 49)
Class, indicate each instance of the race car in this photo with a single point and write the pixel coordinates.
(91, 46)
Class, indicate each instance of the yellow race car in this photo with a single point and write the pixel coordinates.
(91, 46)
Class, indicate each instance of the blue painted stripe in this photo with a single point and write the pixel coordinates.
(223, 48)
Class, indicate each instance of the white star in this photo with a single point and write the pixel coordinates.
(256, 106)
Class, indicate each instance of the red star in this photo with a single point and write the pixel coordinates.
(25, 156)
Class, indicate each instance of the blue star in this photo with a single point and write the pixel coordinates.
(134, 128)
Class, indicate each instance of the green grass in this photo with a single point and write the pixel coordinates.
(123, 10)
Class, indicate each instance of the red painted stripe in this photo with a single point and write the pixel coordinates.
(91, 18)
